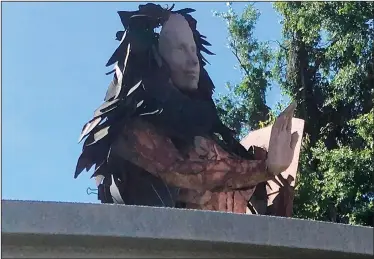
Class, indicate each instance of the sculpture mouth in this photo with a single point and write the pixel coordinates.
(192, 74)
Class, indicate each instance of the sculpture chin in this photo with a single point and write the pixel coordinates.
(192, 87)
(188, 86)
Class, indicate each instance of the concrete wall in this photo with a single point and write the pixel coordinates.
(49, 229)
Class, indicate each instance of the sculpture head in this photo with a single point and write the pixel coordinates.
(178, 48)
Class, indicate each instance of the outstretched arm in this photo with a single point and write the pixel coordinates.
(209, 167)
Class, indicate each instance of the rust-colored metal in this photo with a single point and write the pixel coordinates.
(231, 201)
(214, 169)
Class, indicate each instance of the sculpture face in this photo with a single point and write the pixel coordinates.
(178, 49)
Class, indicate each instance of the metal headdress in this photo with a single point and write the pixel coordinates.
(140, 38)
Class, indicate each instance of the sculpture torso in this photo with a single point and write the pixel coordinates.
(193, 190)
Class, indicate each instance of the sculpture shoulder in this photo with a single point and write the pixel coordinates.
(140, 142)
(143, 139)
(140, 130)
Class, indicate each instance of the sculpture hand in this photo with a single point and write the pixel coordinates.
(282, 143)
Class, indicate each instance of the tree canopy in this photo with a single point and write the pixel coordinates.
(325, 63)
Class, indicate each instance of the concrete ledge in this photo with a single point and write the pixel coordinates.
(44, 229)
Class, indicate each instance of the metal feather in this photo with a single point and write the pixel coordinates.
(120, 50)
(83, 162)
(132, 89)
(110, 72)
(112, 90)
(99, 135)
(204, 42)
(185, 11)
(106, 107)
(100, 169)
(202, 48)
(88, 127)
(119, 35)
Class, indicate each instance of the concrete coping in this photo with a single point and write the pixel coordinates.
(182, 229)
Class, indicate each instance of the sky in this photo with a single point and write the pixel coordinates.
(53, 78)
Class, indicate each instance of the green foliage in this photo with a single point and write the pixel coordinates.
(245, 106)
(347, 176)
(325, 63)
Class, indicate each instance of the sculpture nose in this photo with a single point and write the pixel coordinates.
(193, 59)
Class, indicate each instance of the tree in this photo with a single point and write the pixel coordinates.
(244, 108)
(325, 63)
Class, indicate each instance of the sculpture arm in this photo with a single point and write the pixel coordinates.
(208, 167)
